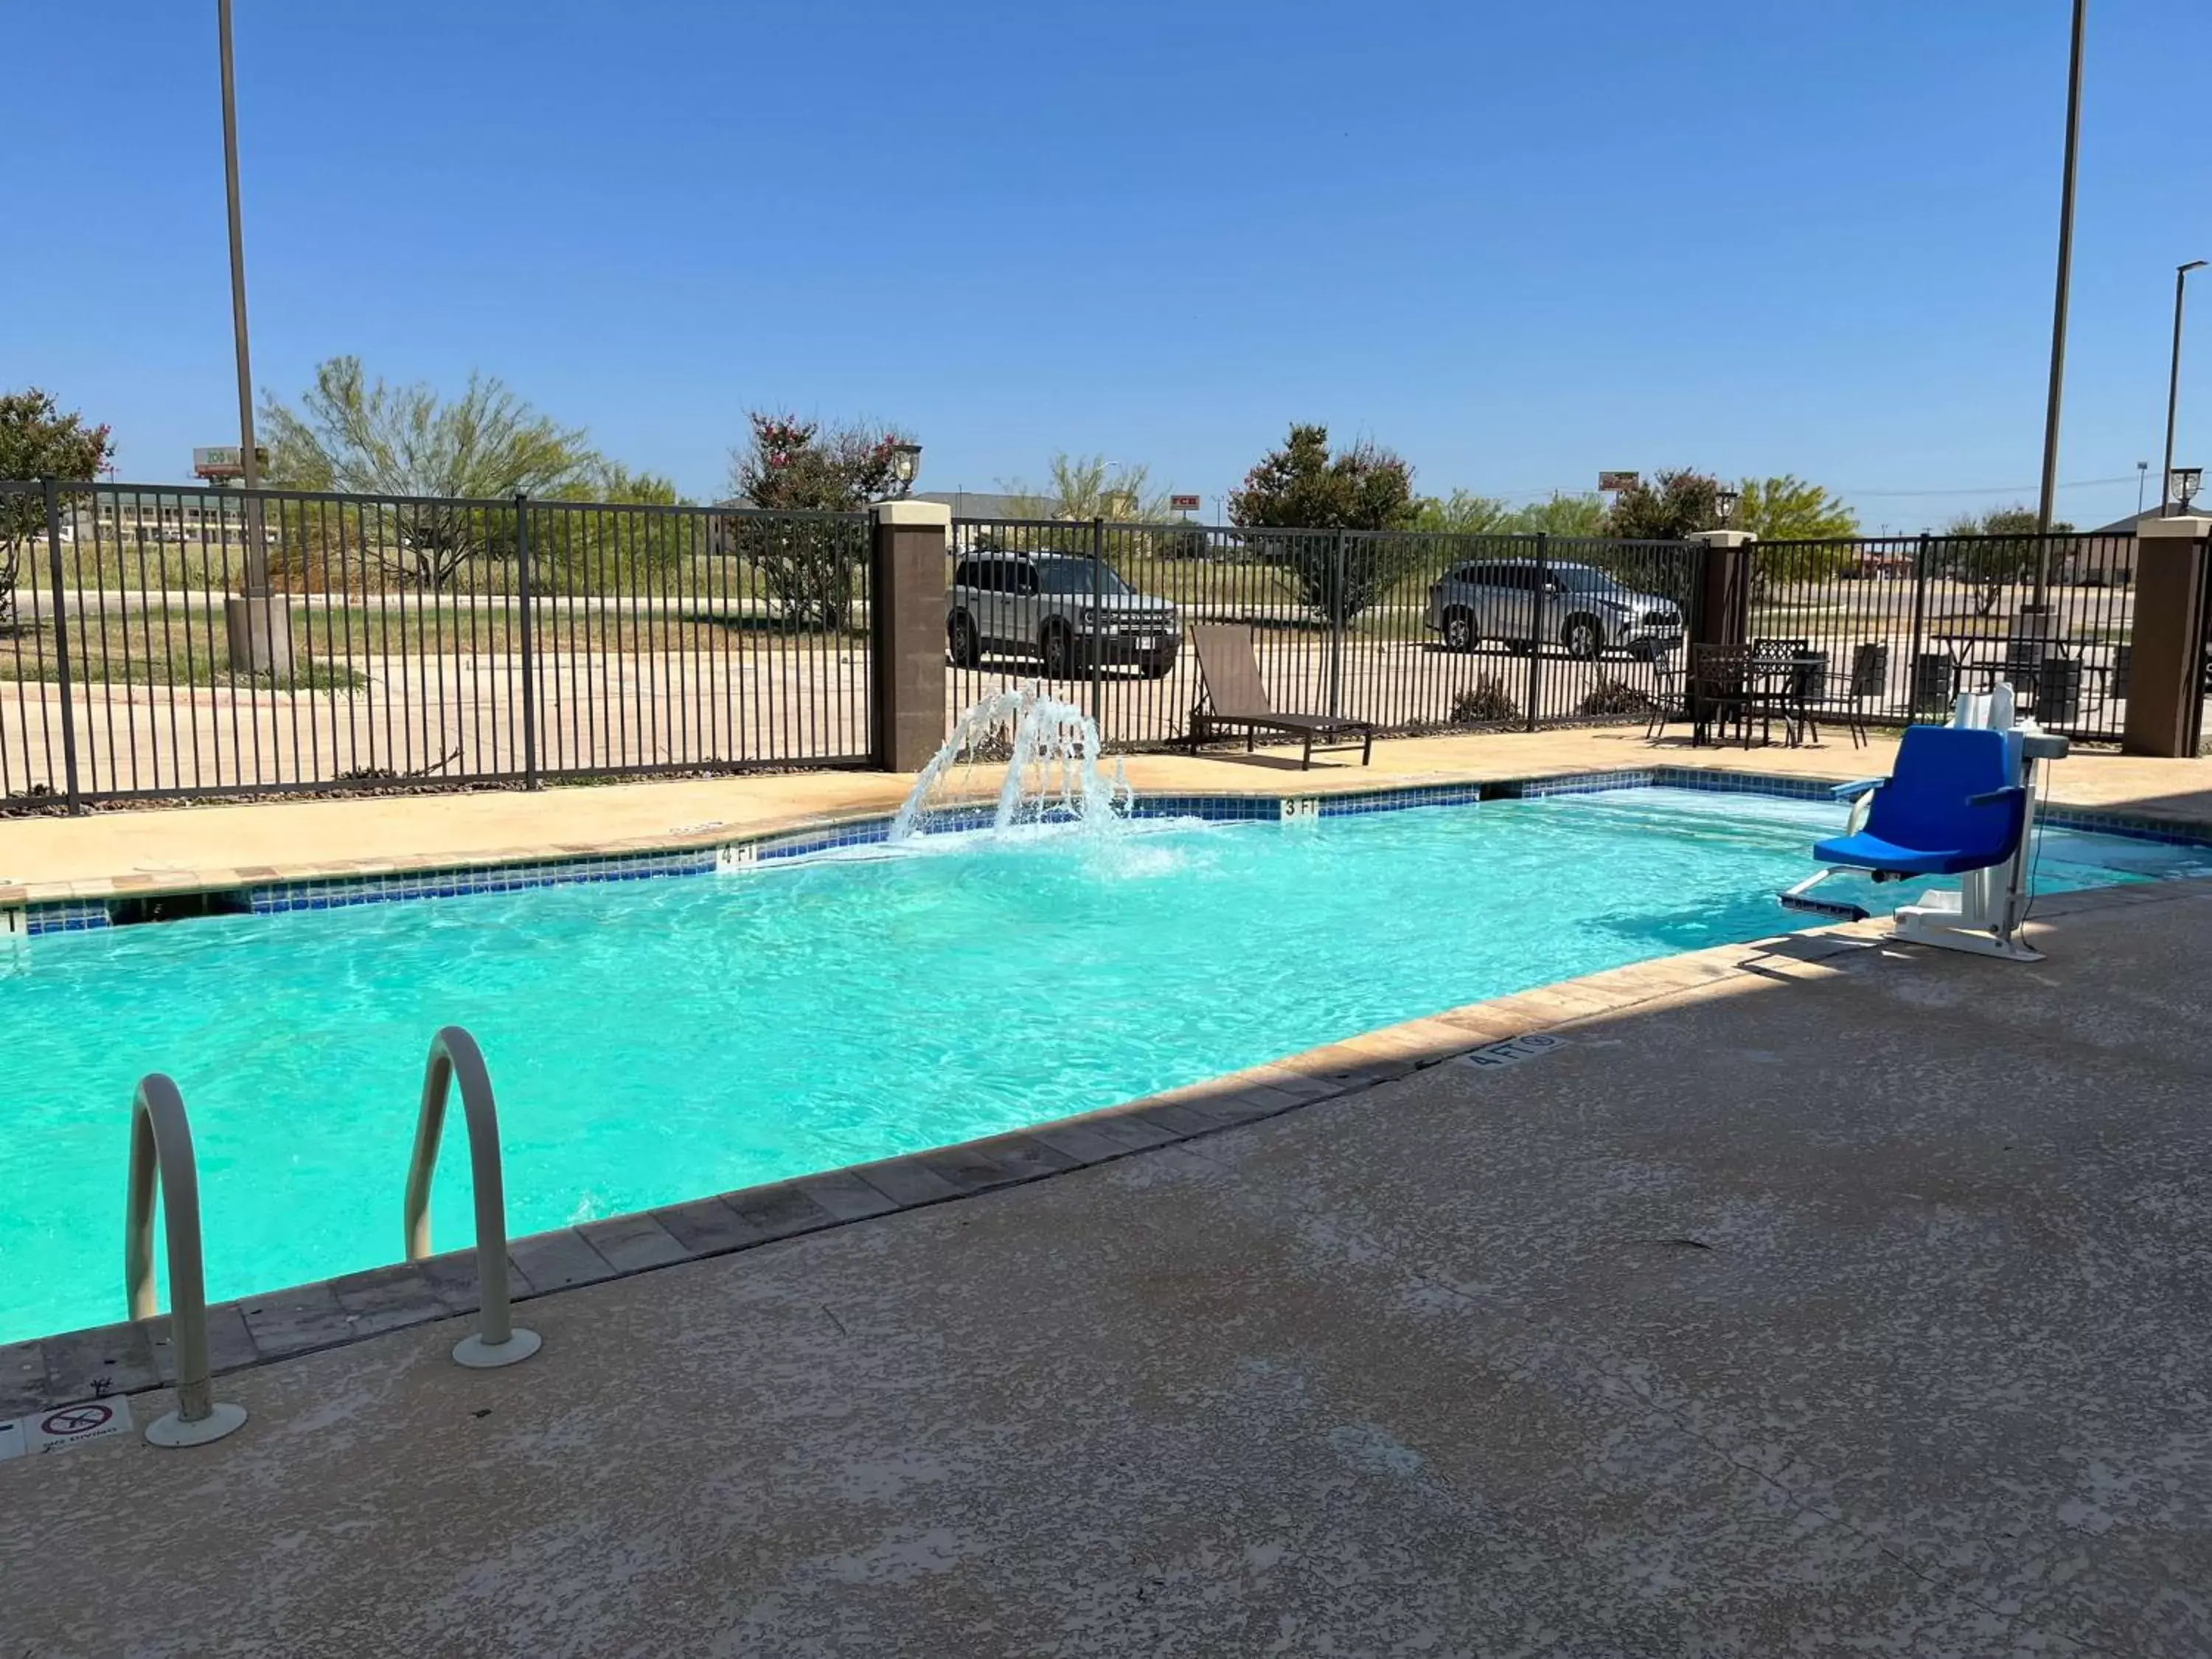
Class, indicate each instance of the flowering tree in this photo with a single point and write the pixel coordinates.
(810, 569)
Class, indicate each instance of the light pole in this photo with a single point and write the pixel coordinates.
(260, 632)
(2043, 505)
(2173, 386)
(247, 460)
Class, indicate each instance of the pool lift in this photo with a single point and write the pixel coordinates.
(1960, 802)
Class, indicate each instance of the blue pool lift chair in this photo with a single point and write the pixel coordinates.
(1956, 805)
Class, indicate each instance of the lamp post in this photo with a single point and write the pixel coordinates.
(906, 463)
(2185, 481)
(2174, 382)
(2043, 500)
(1725, 502)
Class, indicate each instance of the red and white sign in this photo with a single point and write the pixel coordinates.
(72, 1425)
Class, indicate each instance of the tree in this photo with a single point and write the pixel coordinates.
(810, 569)
(365, 437)
(582, 551)
(37, 440)
(1302, 486)
(1789, 509)
(1666, 509)
(1459, 513)
(1086, 487)
(1563, 516)
(1992, 550)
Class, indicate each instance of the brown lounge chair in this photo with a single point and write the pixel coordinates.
(1235, 700)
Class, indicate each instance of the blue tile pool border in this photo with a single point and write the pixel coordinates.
(338, 892)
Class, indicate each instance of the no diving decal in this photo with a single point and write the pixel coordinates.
(63, 1426)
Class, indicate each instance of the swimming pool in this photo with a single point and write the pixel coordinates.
(662, 1040)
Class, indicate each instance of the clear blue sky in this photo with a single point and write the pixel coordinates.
(1517, 242)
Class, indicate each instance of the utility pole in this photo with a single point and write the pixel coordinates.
(2045, 500)
(259, 630)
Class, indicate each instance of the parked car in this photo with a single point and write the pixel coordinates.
(1064, 609)
(1580, 607)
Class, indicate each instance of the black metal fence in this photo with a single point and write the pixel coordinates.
(1426, 633)
(1415, 633)
(395, 640)
(167, 642)
(1906, 623)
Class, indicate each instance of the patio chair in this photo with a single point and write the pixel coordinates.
(1669, 700)
(1719, 690)
(1234, 699)
(1869, 679)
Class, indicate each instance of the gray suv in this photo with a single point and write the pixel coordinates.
(1578, 606)
(1064, 609)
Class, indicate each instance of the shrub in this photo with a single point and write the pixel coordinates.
(1616, 697)
(1485, 703)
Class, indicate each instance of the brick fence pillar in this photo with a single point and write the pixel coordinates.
(1720, 613)
(905, 632)
(2166, 698)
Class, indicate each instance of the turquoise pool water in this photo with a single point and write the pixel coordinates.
(659, 1040)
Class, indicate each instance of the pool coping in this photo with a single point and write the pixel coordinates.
(129, 1357)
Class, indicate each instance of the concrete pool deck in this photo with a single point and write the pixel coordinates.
(125, 854)
(1857, 1301)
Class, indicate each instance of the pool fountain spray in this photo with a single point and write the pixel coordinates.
(1052, 750)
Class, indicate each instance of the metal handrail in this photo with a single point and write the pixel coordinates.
(455, 1059)
(161, 1161)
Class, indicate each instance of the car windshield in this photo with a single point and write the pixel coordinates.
(1074, 574)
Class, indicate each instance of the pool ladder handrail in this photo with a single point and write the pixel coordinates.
(455, 1060)
(161, 1161)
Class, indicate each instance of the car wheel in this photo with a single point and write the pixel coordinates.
(962, 643)
(1642, 651)
(1159, 667)
(1058, 651)
(1581, 637)
(1459, 631)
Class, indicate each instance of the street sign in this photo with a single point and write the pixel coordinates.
(1610, 482)
(225, 460)
(1183, 503)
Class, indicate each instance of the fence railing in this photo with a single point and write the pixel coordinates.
(1434, 632)
(1906, 622)
(1412, 632)
(178, 641)
(409, 641)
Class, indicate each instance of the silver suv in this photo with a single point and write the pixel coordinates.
(1064, 609)
(1579, 607)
